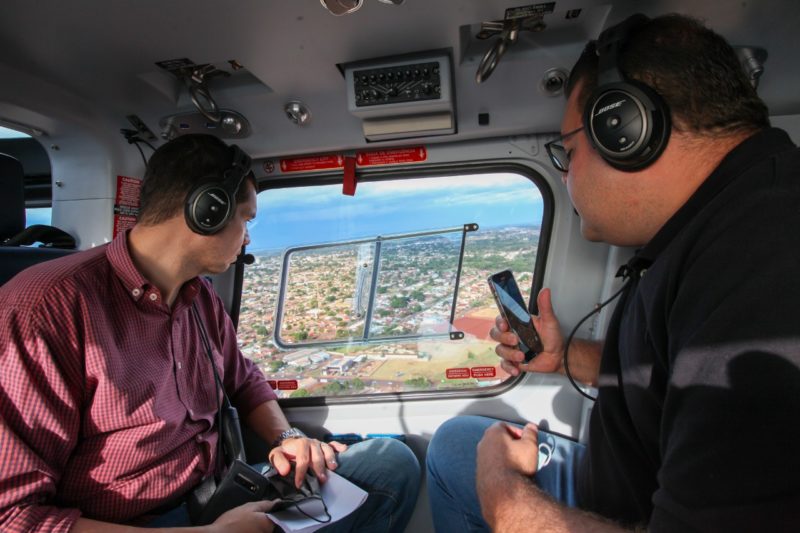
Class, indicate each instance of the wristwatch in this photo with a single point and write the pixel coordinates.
(291, 433)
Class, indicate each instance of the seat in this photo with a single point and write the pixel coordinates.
(15, 256)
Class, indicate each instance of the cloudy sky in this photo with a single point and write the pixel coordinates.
(312, 215)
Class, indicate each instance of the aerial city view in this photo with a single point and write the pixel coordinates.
(325, 344)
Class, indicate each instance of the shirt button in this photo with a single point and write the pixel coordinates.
(179, 365)
(136, 292)
(199, 438)
(191, 412)
(153, 296)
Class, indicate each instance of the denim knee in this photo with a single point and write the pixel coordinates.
(456, 439)
(390, 473)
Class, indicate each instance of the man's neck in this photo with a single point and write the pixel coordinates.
(157, 252)
(686, 163)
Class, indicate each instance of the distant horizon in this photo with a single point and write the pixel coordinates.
(322, 214)
(328, 243)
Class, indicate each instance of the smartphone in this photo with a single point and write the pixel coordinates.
(512, 307)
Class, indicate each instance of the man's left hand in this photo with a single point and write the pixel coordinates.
(305, 452)
(505, 453)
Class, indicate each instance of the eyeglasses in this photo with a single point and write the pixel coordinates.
(558, 154)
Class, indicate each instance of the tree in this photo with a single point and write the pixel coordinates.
(398, 301)
(300, 393)
(418, 383)
(334, 387)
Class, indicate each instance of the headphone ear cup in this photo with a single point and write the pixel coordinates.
(208, 208)
(628, 123)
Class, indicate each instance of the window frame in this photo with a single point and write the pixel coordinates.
(378, 241)
(408, 173)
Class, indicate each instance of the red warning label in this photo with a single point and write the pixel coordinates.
(287, 384)
(483, 372)
(395, 156)
(457, 373)
(126, 203)
(306, 164)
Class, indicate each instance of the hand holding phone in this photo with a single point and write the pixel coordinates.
(512, 308)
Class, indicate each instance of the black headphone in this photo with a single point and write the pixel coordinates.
(626, 121)
(211, 204)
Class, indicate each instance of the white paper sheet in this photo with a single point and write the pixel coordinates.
(341, 497)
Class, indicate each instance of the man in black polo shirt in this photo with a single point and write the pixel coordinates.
(665, 147)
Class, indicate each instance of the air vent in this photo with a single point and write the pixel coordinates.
(402, 97)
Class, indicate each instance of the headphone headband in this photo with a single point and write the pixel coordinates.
(609, 45)
(626, 121)
(210, 205)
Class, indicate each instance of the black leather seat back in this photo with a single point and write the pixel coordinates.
(13, 257)
(12, 197)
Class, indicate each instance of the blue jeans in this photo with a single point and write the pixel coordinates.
(386, 468)
(451, 465)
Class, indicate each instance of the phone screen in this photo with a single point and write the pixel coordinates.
(512, 307)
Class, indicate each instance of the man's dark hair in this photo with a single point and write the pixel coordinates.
(175, 169)
(694, 70)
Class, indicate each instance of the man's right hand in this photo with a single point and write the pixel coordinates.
(548, 360)
(248, 518)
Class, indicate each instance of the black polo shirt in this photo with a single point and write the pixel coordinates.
(696, 425)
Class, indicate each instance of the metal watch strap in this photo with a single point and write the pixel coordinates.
(291, 433)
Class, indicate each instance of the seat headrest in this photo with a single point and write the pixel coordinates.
(12, 197)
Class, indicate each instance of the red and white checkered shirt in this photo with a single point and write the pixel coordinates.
(107, 399)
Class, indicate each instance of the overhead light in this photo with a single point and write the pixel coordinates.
(345, 7)
(342, 7)
(553, 82)
(297, 112)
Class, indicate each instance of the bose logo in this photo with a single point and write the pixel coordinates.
(609, 107)
(217, 198)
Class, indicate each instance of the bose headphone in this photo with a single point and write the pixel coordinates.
(626, 121)
(211, 204)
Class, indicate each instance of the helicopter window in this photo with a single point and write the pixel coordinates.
(386, 292)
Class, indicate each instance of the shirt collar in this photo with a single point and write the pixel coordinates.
(136, 285)
(752, 150)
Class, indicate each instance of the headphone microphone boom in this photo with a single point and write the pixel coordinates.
(211, 204)
(244, 259)
(627, 121)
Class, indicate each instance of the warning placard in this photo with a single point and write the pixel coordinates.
(287, 384)
(457, 373)
(483, 371)
(306, 164)
(530, 11)
(126, 203)
(395, 156)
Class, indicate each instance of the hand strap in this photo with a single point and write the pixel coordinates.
(230, 431)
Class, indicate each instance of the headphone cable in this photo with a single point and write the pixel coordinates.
(597, 309)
